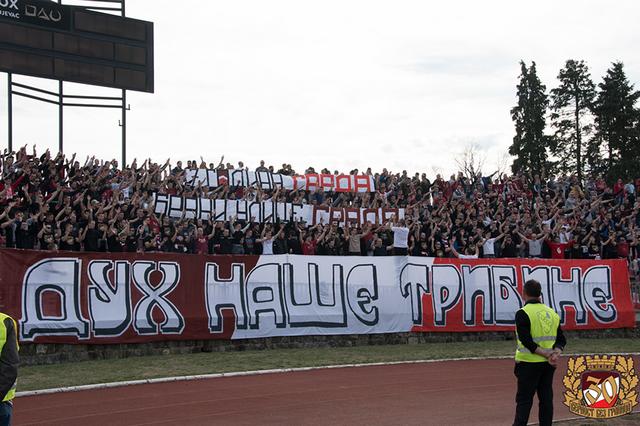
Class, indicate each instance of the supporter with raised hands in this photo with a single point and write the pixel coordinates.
(534, 241)
(469, 251)
(353, 239)
(238, 235)
(400, 235)
(556, 246)
(308, 241)
(488, 242)
(267, 238)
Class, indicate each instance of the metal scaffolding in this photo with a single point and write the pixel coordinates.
(61, 99)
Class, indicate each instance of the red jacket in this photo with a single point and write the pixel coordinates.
(557, 249)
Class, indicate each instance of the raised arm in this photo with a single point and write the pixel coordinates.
(262, 234)
(280, 231)
(544, 236)
(5, 214)
(83, 234)
(453, 249)
(501, 236)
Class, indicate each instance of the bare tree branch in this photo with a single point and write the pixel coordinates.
(471, 161)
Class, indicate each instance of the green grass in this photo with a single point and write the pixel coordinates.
(113, 370)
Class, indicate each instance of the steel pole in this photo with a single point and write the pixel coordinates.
(10, 110)
(60, 116)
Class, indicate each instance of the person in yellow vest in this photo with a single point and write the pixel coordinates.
(540, 343)
(9, 361)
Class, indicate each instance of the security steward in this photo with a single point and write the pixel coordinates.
(9, 361)
(540, 343)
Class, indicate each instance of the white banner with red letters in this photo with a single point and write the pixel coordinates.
(268, 212)
(69, 297)
(269, 181)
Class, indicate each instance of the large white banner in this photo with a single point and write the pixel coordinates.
(268, 181)
(131, 297)
(268, 212)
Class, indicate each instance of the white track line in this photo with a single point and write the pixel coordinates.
(570, 419)
(261, 372)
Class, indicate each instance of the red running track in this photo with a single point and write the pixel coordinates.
(441, 393)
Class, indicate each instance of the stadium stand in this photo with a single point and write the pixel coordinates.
(53, 203)
(56, 203)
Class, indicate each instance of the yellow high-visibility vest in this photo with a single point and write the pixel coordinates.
(3, 339)
(544, 329)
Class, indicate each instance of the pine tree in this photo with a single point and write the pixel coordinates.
(530, 143)
(571, 105)
(616, 118)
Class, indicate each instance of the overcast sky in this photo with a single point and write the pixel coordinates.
(338, 84)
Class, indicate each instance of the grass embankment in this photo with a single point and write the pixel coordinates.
(114, 370)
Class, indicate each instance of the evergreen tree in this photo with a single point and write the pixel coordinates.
(616, 118)
(530, 143)
(571, 105)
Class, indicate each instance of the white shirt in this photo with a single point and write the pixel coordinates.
(488, 247)
(400, 236)
(267, 246)
(467, 256)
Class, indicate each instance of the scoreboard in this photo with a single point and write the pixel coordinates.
(41, 38)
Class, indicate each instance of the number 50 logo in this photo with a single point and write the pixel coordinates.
(600, 386)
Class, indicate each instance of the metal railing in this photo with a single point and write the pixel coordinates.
(635, 294)
(634, 282)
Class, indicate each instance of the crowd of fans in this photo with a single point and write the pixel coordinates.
(51, 202)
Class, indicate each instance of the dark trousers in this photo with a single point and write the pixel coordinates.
(6, 409)
(534, 377)
(397, 251)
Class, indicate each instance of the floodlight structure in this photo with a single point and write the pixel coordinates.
(89, 41)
